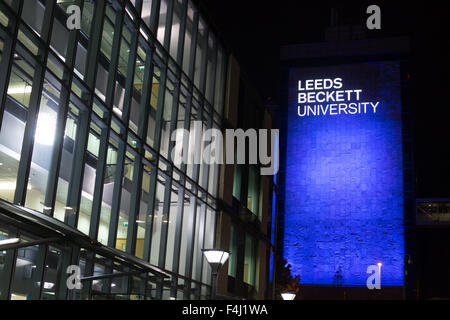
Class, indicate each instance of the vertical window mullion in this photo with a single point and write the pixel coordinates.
(154, 17)
(135, 204)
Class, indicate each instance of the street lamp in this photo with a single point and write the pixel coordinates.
(216, 259)
(288, 295)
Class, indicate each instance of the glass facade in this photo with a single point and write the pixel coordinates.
(85, 123)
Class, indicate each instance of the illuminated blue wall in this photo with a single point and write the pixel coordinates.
(343, 189)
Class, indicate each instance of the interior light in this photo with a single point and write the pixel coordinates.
(117, 111)
(10, 185)
(9, 241)
(45, 130)
(19, 89)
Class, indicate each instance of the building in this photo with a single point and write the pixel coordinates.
(431, 258)
(246, 201)
(347, 188)
(86, 176)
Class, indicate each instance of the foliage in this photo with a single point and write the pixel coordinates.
(284, 281)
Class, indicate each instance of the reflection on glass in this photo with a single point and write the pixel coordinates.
(127, 181)
(172, 222)
(162, 21)
(66, 163)
(108, 187)
(89, 176)
(144, 218)
(26, 279)
(157, 222)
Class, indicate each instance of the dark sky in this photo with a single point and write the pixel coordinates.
(254, 31)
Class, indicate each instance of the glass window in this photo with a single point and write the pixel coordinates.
(209, 242)
(210, 60)
(200, 52)
(237, 181)
(175, 33)
(66, 163)
(213, 183)
(44, 139)
(33, 14)
(108, 33)
(162, 21)
(192, 136)
(232, 260)
(188, 37)
(187, 231)
(172, 222)
(219, 91)
(180, 134)
(153, 107)
(60, 35)
(125, 201)
(108, 187)
(204, 167)
(124, 53)
(50, 274)
(167, 116)
(157, 221)
(13, 125)
(89, 177)
(198, 242)
(26, 279)
(86, 17)
(144, 218)
(253, 190)
(250, 260)
(146, 11)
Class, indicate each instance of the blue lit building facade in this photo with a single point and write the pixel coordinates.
(346, 185)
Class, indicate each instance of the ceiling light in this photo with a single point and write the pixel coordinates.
(45, 129)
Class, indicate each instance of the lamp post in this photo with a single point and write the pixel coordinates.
(288, 295)
(379, 272)
(216, 259)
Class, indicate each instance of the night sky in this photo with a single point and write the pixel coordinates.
(255, 30)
